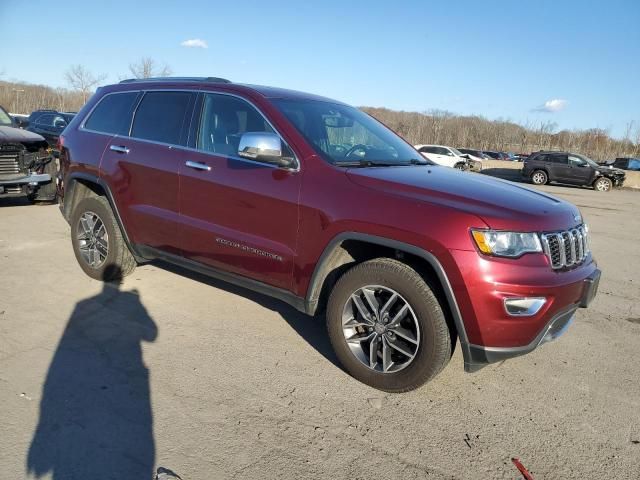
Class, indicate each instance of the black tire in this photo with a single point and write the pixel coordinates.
(603, 184)
(539, 177)
(434, 349)
(49, 191)
(119, 262)
(461, 166)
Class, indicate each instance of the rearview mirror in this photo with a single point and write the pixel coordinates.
(264, 147)
(338, 122)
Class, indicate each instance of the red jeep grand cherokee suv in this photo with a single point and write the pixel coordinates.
(317, 204)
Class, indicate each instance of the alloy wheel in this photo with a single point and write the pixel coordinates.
(538, 178)
(380, 328)
(93, 239)
(602, 185)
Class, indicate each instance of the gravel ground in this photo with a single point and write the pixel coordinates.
(175, 370)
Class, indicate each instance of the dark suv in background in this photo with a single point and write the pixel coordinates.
(49, 124)
(318, 204)
(572, 169)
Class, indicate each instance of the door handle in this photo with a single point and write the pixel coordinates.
(198, 165)
(119, 149)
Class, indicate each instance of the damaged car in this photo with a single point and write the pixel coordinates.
(27, 165)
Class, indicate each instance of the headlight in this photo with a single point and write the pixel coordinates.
(506, 244)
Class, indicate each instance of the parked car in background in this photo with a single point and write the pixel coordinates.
(447, 156)
(242, 183)
(521, 157)
(49, 124)
(570, 168)
(624, 163)
(475, 158)
(26, 167)
(497, 155)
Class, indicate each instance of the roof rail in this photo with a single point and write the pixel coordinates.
(178, 79)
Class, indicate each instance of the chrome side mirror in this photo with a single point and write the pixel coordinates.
(264, 147)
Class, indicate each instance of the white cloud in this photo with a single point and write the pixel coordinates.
(552, 106)
(194, 43)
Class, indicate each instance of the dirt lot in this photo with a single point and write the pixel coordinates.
(210, 381)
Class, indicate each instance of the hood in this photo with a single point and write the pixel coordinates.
(500, 204)
(609, 170)
(11, 134)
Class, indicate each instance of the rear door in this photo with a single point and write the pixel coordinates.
(237, 215)
(559, 170)
(142, 168)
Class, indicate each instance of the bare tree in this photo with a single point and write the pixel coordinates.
(147, 67)
(82, 80)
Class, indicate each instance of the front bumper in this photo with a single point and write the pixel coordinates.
(479, 356)
(32, 179)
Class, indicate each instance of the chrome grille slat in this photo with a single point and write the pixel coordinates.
(566, 248)
(9, 164)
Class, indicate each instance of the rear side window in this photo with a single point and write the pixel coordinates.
(560, 159)
(161, 116)
(113, 114)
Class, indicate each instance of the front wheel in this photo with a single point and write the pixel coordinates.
(603, 184)
(97, 241)
(387, 327)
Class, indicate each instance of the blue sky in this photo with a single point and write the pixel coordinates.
(501, 59)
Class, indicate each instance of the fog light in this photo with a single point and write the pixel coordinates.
(523, 306)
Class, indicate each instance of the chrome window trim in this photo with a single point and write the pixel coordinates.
(184, 147)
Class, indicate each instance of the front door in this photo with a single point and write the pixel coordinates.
(237, 215)
(581, 171)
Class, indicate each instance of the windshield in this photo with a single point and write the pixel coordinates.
(5, 119)
(345, 135)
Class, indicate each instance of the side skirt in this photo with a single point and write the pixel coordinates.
(284, 295)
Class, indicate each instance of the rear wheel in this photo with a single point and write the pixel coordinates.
(603, 184)
(539, 177)
(387, 327)
(97, 241)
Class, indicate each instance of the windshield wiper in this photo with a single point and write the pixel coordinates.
(377, 163)
(365, 163)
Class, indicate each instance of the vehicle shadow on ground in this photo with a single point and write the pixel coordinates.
(95, 412)
(311, 329)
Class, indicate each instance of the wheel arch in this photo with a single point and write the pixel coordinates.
(79, 185)
(349, 248)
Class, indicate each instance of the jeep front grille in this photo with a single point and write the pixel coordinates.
(566, 249)
(9, 163)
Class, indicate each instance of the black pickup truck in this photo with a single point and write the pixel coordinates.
(27, 166)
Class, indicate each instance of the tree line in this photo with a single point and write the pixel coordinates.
(431, 127)
(444, 128)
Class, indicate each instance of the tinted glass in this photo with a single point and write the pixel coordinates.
(560, 159)
(342, 134)
(113, 113)
(45, 120)
(576, 161)
(224, 119)
(161, 116)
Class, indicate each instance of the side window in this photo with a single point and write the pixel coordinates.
(113, 113)
(223, 121)
(45, 120)
(559, 159)
(161, 116)
(576, 161)
(428, 149)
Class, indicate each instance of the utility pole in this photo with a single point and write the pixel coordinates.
(17, 105)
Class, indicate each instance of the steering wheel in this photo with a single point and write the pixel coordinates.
(355, 148)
